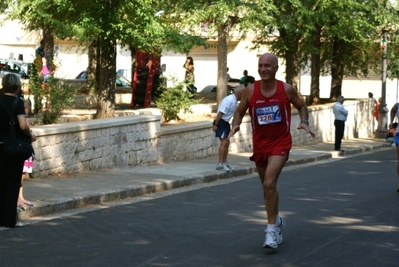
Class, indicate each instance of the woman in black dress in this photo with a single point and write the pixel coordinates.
(11, 168)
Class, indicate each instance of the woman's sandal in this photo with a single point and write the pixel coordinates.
(21, 205)
(26, 202)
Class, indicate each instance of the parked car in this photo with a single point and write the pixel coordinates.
(231, 84)
(20, 68)
(125, 73)
(121, 81)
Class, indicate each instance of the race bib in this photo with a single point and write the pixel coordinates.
(268, 115)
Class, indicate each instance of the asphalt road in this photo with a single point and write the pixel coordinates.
(339, 213)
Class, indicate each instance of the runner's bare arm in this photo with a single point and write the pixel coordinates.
(393, 112)
(300, 105)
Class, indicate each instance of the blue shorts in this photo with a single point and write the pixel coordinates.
(46, 78)
(223, 129)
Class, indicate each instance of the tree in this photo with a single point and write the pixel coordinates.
(102, 25)
(337, 36)
(226, 20)
(281, 31)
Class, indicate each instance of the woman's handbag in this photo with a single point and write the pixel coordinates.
(18, 148)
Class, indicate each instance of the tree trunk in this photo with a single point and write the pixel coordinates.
(292, 66)
(106, 79)
(337, 69)
(93, 52)
(292, 70)
(223, 34)
(315, 70)
(223, 41)
(48, 41)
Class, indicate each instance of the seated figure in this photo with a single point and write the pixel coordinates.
(390, 136)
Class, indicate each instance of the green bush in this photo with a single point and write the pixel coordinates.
(57, 97)
(50, 117)
(35, 89)
(174, 100)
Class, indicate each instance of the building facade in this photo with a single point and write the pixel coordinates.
(16, 43)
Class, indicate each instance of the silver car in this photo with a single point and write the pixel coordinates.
(19, 68)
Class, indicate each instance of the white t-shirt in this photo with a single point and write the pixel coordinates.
(228, 107)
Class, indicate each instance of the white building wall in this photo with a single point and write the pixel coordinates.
(73, 59)
(15, 41)
(173, 63)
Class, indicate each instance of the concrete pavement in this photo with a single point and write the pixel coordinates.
(55, 194)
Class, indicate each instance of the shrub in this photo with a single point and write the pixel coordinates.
(49, 117)
(174, 100)
(55, 95)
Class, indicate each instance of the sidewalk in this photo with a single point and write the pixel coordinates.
(55, 194)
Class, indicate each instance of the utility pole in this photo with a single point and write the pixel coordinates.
(383, 110)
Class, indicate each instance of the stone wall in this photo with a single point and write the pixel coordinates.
(141, 139)
(360, 124)
(96, 144)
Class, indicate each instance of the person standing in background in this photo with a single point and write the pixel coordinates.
(11, 168)
(373, 110)
(40, 50)
(243, 79)
(45, 73)
(371, 96)
(376, 108)
(189, 78)
(246, 79)
(221, 126)
(228, 75)
(340, 114)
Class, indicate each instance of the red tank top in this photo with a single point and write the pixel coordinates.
(271, 120)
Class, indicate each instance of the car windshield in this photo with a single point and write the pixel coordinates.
(122, 81)
(82, 75)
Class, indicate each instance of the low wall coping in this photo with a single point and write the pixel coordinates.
(92, 124)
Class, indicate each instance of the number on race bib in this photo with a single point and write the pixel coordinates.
(268, 115)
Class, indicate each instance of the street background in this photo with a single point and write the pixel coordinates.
(340, 211)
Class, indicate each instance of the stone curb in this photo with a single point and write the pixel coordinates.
(46, 208)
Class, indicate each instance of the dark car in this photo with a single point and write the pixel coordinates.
(231, 84)
(121, 81)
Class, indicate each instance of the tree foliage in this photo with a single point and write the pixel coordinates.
(106, 23)
(226, 20)
(337, 37)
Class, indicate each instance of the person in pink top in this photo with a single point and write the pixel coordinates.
(45, 70)
(269, 102)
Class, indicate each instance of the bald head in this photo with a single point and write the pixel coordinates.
(239, 88)
(238, 91)
(267, 67)
(268, 56)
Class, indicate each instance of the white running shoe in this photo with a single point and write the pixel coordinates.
(227, 167)
(271, 239)
(280, 232)
(219, 167)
